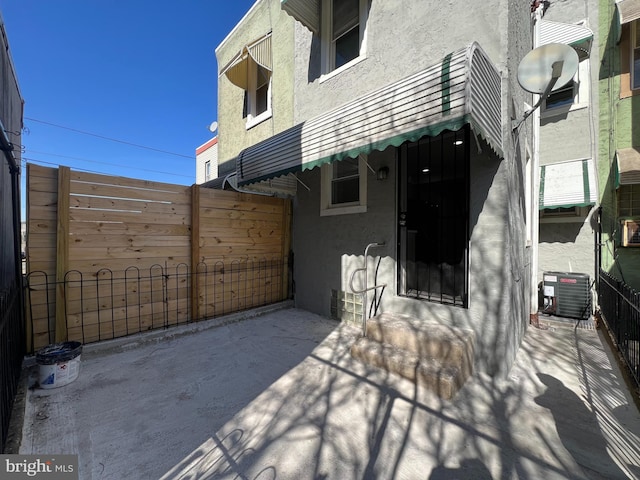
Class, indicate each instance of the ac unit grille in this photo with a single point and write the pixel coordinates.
(567, 294)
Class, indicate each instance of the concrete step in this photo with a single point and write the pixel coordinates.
(438, 357)
(443, 380)
(450, 345)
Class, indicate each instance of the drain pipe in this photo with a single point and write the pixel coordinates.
(7, 148)
(535, 187)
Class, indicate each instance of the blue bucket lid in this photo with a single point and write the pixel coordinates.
(58, 352)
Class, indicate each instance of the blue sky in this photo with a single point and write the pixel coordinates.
(136, 71)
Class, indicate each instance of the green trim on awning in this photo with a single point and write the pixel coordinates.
(568, 205)
(585, 181)
(431, 131)
(461, 88)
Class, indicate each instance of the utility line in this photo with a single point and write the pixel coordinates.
(44, 162)
(28, 151)
(107, 138)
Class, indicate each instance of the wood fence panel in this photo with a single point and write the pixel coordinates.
(139, 255)
(42, 217)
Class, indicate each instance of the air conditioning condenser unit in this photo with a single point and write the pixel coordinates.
(566, 295)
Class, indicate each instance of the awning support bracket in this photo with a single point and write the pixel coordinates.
(301, 182)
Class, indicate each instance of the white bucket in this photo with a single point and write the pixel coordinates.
(58, 364)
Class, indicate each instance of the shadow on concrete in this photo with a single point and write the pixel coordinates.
(279, 396)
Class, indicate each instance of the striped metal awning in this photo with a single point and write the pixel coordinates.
(578, 36)
(568, 184)
(259, 52)
(628, 10)
(463, 88)
(628, 166)
(306, 12)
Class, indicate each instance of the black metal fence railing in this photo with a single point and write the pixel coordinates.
(109, 304)
(11, 354)
(620, 308)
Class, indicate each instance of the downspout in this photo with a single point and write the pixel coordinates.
(7, 147)
(535, 185)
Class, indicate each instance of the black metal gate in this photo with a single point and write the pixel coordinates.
(12, 341)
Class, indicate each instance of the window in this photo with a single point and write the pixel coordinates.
(343, 23)
(344, 187)
(635, 55)
(563, 96)
(572, 96)
(629, 201)
(207, 171)
(258, 95)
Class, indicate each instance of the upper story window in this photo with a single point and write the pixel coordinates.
(258, 95)
(635, 55)
(343, 33)
(251, 70)
(207, 171)
(572, 96)
(629, 200)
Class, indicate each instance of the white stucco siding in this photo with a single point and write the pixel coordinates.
(402, 38)
(567, 247)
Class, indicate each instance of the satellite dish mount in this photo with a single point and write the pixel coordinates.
(545, 70)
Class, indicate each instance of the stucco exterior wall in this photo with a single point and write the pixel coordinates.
(567, 137)
(233, 135)
(402, 38)
(623, 114)
(567, 244)
(567, 247)
(327, 249)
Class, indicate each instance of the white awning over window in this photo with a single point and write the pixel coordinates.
(306, 12)
(568, 184)
(463, 88)
(579, 37)
(628, 10)
(237, 70)
(628, 166)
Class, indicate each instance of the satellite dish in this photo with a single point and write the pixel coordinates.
(546, 63)
(544, 70)
(213, 127)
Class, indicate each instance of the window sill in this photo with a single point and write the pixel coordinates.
(253, 121)
(326, 212)
(338, 71)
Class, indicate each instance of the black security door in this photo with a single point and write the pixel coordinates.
(433, 218)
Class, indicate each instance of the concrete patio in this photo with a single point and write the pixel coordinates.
(278, 396)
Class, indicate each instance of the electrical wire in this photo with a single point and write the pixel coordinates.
(103, 163)
(58, 165)
(191, 157)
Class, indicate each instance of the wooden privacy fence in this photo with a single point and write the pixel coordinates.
(110, 256)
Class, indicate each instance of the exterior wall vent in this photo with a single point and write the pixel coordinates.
(566, 295)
